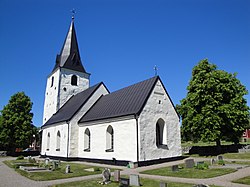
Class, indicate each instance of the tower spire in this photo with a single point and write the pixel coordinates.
(69, 56)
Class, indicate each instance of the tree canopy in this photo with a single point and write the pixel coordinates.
(215, 108)
(16, 122)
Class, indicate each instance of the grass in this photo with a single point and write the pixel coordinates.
(143, 181)
(245, 180)
(200, 143)
(190, 172)
(243, 156)
(77, 170)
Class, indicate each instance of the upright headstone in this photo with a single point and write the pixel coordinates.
(134, 180)
(54, 165)
(189, 163)
(46, 161)
(67, 169)
(212, 161)
(106, 176)
(175, 168)
(117, 175)
(219, 157)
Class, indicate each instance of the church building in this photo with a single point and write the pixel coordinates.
(136, 124)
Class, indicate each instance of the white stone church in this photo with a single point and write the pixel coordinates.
(136, 124)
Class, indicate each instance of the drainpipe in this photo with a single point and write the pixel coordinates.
(68, 141)
(137, 138)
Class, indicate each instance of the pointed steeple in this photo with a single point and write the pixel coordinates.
(69, 56)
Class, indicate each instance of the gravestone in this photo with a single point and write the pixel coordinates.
(175, 168)
(219, 157)
(124, 182)
(163, 184)
(67, 169)
(117, 175)
(106, 176)
(46, 161)
(134, 180)
(212, 161)
(55, 165)
(189, 163)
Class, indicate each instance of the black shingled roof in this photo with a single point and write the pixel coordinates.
(127, 101)
(69, 109)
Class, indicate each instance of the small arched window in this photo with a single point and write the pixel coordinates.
(58, 141)
(161, 134)
(48, 141)
(87, 140)
(109, 139)
(52, 81)
(74, 80)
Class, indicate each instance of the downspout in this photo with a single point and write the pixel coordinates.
(68, 141)
(137, 138)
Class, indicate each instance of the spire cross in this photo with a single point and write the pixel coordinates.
(73, 12)
(156, 69)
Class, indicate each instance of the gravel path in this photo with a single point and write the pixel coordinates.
(9, 178)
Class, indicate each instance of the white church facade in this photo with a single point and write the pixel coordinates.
(137, 124)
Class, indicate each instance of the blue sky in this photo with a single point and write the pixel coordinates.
(121, 41)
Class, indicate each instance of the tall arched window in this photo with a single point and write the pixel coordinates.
(109, 139)
(48, 141)
(52, 81)
(87, 140)
(58, 141)
(74, 80)
(161, 134)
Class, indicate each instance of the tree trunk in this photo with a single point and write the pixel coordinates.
(218, 145)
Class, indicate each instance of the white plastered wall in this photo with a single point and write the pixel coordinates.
(66, 89)
(58, 94)
(74, 128)
(125, 147)
(51, 150)
(158, 107)
(51, 96)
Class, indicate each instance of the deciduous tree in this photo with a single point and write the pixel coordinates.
(215, 108)
(16, 124)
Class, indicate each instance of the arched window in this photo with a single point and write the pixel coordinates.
(74, 80)
(109, 139)
(87, 140)
(48, 141)
(52, 81)
(161, 134)
(58, 141)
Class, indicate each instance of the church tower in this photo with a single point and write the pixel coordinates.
(67, 78)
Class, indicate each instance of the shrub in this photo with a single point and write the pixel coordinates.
(221, 162)
(20, 157)
(202, 166)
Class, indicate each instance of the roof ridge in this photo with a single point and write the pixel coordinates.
(126, 101)
(60, 115)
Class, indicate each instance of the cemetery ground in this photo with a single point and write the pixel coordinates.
(214, 176)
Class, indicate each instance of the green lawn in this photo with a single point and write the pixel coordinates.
(200, 143)
(244, 156)
(77, 170)
(190, 172)
(245, 180)
(144, 182)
